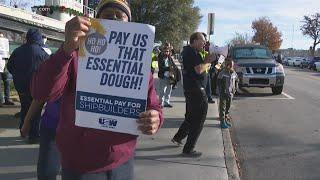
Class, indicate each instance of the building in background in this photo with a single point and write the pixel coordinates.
(64, 10)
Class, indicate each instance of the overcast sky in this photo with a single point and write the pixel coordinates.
(233, 16)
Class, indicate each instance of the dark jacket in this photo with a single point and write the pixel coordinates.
(26, 59)
(191, 79)
(161, 65)
(174, 73)
(227, 83)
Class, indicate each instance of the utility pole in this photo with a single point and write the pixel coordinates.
(292, 36)
(210, 25)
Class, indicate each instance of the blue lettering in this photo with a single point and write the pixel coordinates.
(142, 53)
(144, 40)
(126, 82)
(119, 38)
(126, 35)
(136, 39)
(135, 54)
(112, 122)
(120, 53)
(116, 66)
(109, 65)
(96, 63)
(113, 35)
(111, 79)
(103, 65)
(134, 68)
(104, 79)
(89, 62)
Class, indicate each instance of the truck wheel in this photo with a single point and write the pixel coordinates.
(277, 90)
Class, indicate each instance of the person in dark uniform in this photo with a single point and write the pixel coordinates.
(194, 84)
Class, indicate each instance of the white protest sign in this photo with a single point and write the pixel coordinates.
(113, 75)
(218, 50)
(4, 47)
(2, 64)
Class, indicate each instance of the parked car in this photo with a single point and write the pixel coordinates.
(305, 62)
(285, 61)
(317, 64)
(256, 67)
(311, 65)
(290, 61)
(295, 61)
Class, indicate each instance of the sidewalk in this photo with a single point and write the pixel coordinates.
(158, 159)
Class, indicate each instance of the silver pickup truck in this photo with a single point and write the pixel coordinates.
(256, 67)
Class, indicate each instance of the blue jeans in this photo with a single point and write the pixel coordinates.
(208, 87)
(48, 166)
(6, 83)
(25, 100)
(123, 172)
(165, 91)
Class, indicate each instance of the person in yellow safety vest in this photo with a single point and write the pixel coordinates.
(203, 54)
(154, 62)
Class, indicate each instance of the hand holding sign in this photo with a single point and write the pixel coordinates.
(76, 28)
(149, 122)
(209, 58)
(113, 76)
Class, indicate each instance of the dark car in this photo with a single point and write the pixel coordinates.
(256, 67)
(305, 62)
(311, 65)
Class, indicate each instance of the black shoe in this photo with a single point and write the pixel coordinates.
(211, 101)
(176, 142)
(8, 103)
(193, 153)
(168, 105)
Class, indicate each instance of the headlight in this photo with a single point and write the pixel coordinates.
(279, 69)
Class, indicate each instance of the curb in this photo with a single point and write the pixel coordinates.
(232, 168)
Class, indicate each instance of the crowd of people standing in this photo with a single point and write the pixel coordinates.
(49, 82)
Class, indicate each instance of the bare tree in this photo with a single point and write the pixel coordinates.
(240, 39)
(266, 34)
(311, 28)
(20, 3)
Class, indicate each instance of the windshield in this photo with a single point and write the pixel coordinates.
(252, 53)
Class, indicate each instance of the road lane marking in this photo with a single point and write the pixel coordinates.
(6, 133)
(288, 96)
(17, 169)
(20, 146)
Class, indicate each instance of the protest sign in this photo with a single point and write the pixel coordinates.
(113, 75)
(2, 64)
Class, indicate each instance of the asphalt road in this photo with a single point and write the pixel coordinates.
(278, 137)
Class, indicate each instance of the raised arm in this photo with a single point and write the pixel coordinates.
(53, 75)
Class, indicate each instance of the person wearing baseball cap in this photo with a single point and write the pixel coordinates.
(90, 153)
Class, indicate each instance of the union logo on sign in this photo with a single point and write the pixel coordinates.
(108, 122)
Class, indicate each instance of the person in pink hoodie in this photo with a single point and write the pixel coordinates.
(90, 153)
